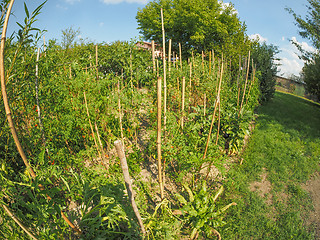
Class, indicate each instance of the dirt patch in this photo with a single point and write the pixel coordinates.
(313, 187)
(262, 187)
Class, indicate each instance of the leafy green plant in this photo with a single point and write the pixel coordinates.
(201, 212)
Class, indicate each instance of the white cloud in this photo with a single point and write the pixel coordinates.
(101, 24)
(257, 36)
(71, 1)
(125, 1)
(289, 57)
(304, 45)
(61, 7)
(227, 5)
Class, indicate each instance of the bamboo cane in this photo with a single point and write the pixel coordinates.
(210, 63)
(97, 62)
(214, 113)
(131, 75)
(164, 78)
(180, 55)
(153, 57)
(126, 176)
(105, 161)
(190, 83)
(159, 136)
(120, 113)
(252, 82)
(219, 117)
(238, 81)
(245, 85)
(92, 131)
(17, 221)
(169, 56)
(8, 110)
(182, 101)
(204, 105)
(44, 140)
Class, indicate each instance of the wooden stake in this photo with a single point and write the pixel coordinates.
(126, 176)
(164, 78)
(159, 137)
(153, 57)
(182, 101)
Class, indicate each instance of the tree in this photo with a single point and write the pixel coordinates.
(310, 29)
(198, 25)
(68, 37)
(311, 73)
(264, 58)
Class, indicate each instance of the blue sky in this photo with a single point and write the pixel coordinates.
(111, 20)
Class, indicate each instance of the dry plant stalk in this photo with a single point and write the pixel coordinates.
(127, 181)
(219, 118)
(8, 110)
(153, 57)
(17, 221)
(164, 77)
(182, 100)
(159, 136)
(92, 131)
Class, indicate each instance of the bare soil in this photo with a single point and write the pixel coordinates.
(313, 187)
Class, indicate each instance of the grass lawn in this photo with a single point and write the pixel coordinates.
(283, 153)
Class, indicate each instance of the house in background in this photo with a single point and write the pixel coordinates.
(148, 46)
(294, 87)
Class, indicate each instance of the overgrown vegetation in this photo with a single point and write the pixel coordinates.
(71, 103)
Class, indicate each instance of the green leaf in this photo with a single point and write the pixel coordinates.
(26, 10)
(181, 199)
(191, 197)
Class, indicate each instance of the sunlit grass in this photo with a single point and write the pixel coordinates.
(285, 146)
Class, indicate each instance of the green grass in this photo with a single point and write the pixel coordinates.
(285, 146)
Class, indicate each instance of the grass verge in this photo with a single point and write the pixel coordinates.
(283, 153)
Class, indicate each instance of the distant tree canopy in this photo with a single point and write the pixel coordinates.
(199, 25)
(309, 28)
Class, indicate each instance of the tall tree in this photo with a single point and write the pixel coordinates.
(309, 28)
(263, 56)
(198, 25)
(69, 36)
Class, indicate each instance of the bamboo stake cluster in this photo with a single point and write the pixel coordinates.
(8, 111)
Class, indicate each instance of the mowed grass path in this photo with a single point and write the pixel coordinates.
(282, 154)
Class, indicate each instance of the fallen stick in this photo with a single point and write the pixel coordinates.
(126, 176)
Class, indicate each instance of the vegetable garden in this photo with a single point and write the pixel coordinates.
(180, 125)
